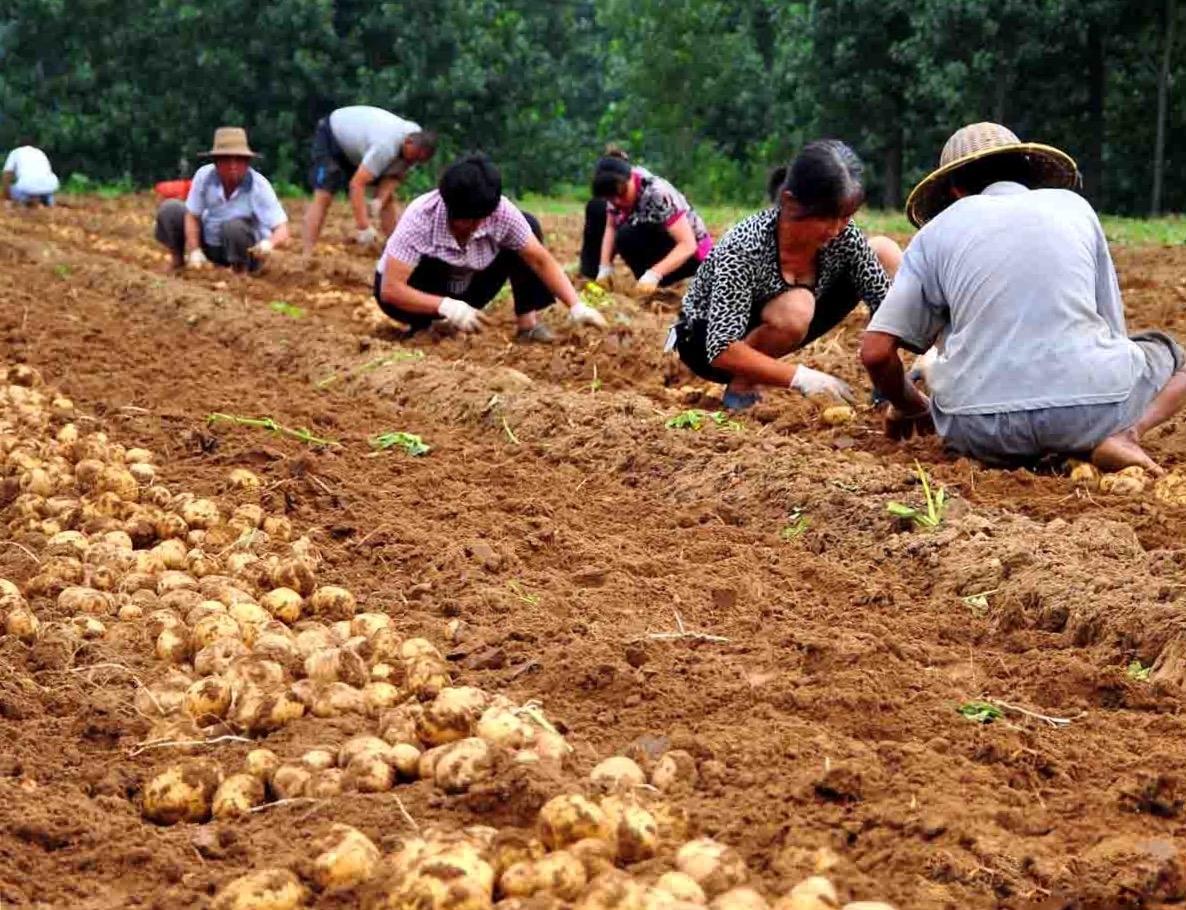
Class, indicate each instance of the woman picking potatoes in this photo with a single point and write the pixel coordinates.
(782, 278)
(455, 248)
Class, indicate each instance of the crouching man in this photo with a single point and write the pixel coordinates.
(1011, 274)
(231, 216)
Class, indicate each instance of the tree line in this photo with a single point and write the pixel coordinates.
(710, 93)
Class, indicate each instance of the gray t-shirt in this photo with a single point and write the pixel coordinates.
(372, 137)
(1021, 286)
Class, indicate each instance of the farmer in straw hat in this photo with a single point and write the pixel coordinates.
(231, 216)
(1011, 274)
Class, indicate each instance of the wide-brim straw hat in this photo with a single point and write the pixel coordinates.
(1050, 168)
(230, 140)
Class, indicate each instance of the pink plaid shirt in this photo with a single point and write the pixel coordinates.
(423, 230)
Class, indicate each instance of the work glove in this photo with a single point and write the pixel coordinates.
(921, 369)
(648, 283)
(813, 382)
(196, 259)
(605, 277)
(461, 315)
(263, 249)
(582, 314)
(367, 236)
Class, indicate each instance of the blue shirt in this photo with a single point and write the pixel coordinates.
(253, 199)
(1021, 287)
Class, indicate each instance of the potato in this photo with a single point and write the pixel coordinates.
(419, 647)
(88, 627)
(617, 773)
(249, 615)
(290, 781)
(369, 773)
(682, 887)
(635, 831)
(550, 747)
(267, 889)
(502, 727)
(172, 645)
(200, 514)
(564, 820)
(675, 772)
(256, 711)
(336, 699)
(262, 763)
(294, 574)
(559, 873)
(318, 759)
(283, 603)
(363, 744)
(67, 543)
(814, 893)
(207, 700)
(451, 715)
(341, 630)
(119, 481)
(426, 674)
(327, 784)
(595, 854)
(183, 792)
(277, 527)
(436, 887)
(345, 857)
(217, 657)
(130, 612)
(715, 866)
(613, 890)
(739, 899)
(379, 696)
(279, 648)
(201, 564)
(172, 553)
(462, 764)
(237, 795)
(333, 602)
(867, 905)
(243, 480)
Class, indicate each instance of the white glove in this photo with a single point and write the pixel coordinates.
(582, 314)
(813, 382)
(461, 315)
(648, 283)
(196, 259)
(262, 249)
(922, 367)
(605, 276)
(367, 236)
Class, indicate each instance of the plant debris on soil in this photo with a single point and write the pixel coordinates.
(563, 548)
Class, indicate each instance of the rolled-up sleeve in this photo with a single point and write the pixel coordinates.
(910, 311)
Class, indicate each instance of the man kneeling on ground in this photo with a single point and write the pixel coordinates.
(1012, 275)
(231, 216)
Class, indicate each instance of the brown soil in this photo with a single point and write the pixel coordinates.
(563, 523)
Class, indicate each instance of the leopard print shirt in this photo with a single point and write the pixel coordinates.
(742, 274)
(659, 202)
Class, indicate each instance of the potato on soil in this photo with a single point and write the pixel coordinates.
(257, 711)
(635, 831)
(172, 645)
(368, 773)
(510, 846)
(319, 759)
(217, 657)
(238, 795)
(617, 773)
(345, 857)
(337, 665)
(332, 602)
(213, 627)
(283, 603)
(564, 820)
(682, 887)
(290, 781)
(814, 893)
(503, 727)
(183, 792)
(362, 745)
(242, 479)
(838, 415)
(67, 543)
(262, 764)
(268, 889)
(278, 527)
(559, 873)
(426, 674)
(21, 623)
(742, 898)
(613, 890)
(451, 715)
(463, 763)
(200, 514)
(208, 700)
(294, 574)
(379, 696)
(336, 699)
(367, 624)
(716, 867)
(675, 772)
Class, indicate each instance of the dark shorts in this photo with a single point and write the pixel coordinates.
(831, 309)
(331, 169)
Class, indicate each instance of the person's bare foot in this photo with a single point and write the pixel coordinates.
(1122, 450)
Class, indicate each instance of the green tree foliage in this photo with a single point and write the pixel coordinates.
(710, 93)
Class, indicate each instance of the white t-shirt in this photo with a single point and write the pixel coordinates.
(33, 174)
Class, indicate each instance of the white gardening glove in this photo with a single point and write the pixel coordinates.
(461, 315)
(922, 367)
(263, 249)
(582, 314)
(813, 382)
(648, 283)
(605, 277)
(367, 236)
(196, 259)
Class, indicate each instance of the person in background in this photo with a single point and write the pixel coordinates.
(231, 216)
(647, 221)
(357, 146)
(1011, 270)
(783, 277)
(27, 177)
(454, 249)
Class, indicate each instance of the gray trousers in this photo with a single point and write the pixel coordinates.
(237, 236)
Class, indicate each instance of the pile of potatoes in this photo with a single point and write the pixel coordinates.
(586, 853)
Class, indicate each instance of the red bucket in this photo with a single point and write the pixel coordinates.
(173, 189)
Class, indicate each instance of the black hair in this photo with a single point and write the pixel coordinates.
(615, 151)
(775, 181)
(425, 140)
(973, 177)
(610, 176)
(471, 187)
(825, 179)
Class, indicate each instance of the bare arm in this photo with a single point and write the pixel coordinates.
(193, 232)
(280, 235)
(396, 290)
(685, 246)
(544, 264)
(608, 241)
(747, 362)
(358, 196)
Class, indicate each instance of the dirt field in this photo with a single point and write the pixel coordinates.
(561, 521)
